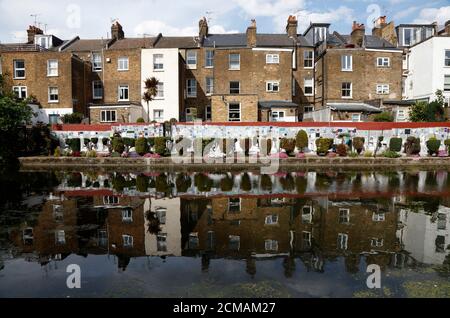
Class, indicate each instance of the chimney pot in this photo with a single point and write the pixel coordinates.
(251, 34)
(117, 31)
(291, 27)
(31, 32)
(203, 28)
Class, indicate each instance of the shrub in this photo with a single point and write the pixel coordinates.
(140, 120)
(266, 183)
(203, 182)
(226, 184)
(74, 144)
(246, 183)
(323, 145)
(383, 117)
(118, 144)
(288, 144)
(301, 140)
(391, 154)
(105, 141)
(86, 141)
(412, 146)
(183, 182)
(142, 183)
(141, 146)
(447, 144)
(129, 142)
(118, 183)
(57, 152)
(353, 154)
(91, 154)
(160, 146)
(368, 154)
(151, 141)
(115, 155)
(433, 146)
(395, 144)
(358, 144)
(94, 140)
(74, 118)
(341, 150)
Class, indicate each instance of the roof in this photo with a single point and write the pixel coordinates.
(327, 25)
(21, 47)
(370, 41)
(356, 107)
(185, 42)
(133, 43)
(411, 25)
(276, 103)
(275, 40)
(87, 45)
(226, 40)
(399, 102)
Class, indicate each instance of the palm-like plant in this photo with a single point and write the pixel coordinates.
(151, 89)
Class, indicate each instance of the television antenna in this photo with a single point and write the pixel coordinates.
(209, 16)
(35, 15)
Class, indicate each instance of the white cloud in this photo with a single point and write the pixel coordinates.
(341, 14)
(405, 13)
(269, 8)
(430, 15)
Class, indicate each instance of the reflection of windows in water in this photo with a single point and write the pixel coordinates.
(440, 244)
(127, 240)
(344, 216)
(342, 241)
(211, 240)
(306, 239)
(234, 242)
(161, 242)
(28, 236)
(234, 205)
(271, 245)
(193, 241)
(378, 217)
(127, 215)
(376, 242)
(58, 213)
(210, 214)
(110, 200)
(102, 238)
(399, 260)
(60, 237)
(193, 216)
(442, 221)
(307, 213)
(161, 215)
(276, 201)
(235, 222)
(272, 219)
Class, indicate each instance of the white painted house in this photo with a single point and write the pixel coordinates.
(163, 64)
(428, 69)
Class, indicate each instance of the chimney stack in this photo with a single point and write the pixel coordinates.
(117, 31)
(203, 28)
(447, 28)
(251, 34)
(358, 33)
(291, 27)
(31, 32)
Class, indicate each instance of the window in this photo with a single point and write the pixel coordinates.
(20, 91)
(346, 90)
(43, 42)
(208, 113)
(346, 63)
(383, 62)
(19, 69)
(102, 238)
(272, 59)
(158, 114)
(52, 68)
(308, 108)
(400, 115)
(53, 95)
(447, 83)
(234, 205)
(272, 87)
(278, 115)
(447, 58)
(209, 85)
(271, 219)
(271, 245)
(307, 214)
(308, 59)
(193, 241)
(191, 59)
(97, 90)
(234, 242)
(440, 244)
(97, 63)
(127, 215)
(234, 112)
(376, 242)
(211, 241)
(58, 212)
(235, 87)
(127, 240)
(308, 87)
(110, 200)
(235, 61)
(122, 64)
(160, 90)
(161, 242)
(342, 241)
(409, 36)
(382, 89)
(191, 88)
(344, 216)
(209, 58)
(108, 116)
(442, 221)
(161, 215)
(378, 217)
(28, 236)
(60, 237)
(158, 62)
(356, 118)
(123, 93)
(306, 239)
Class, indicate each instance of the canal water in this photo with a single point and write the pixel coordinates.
(304, 234)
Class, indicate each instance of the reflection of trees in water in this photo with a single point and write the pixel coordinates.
(289, 266)
(250, 267)
(154, 225)
(352, 263)
(123, 262)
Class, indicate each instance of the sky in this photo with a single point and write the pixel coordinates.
(92, 18)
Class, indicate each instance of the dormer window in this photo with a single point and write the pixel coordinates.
(43, 41)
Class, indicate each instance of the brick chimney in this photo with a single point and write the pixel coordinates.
(251, 34)
(447, 27)
(378, 26)
(32, 31)
(291, 27)
(117, 31)
(203, 28)
(358, 32)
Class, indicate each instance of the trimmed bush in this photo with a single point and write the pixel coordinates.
(203, 182)
(91, 154)
(183, 182)
(151, 141)
(246, 183)
(353, 154)
(118, 145)
(142, 183)
(412, 146)
(368, 154)
(115, 155)
(341, 150)
(358, 144)
(74, 118)
(288, 144)
(447, 144)
(105, 141)
(94, 140)
(323, 145)
(395, 144)
(74, 144)
(140, 120)
(433, 146)
(129, 142)
(141, 146)
(391, 154)
(383, 117)
(226, 184)
(301, 140)
(86, 141)
(160, 146)
(266, 183)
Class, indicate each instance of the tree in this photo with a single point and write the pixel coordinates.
(422, 111)
(383, 117)
(151, 89)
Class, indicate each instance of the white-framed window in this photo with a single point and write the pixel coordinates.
(97, 90)
(272, 58)
(97, 62)
(124, 93)
(209, 58)
(110, 200)
(271, 219)
(306, 239)
(378, 217)
(158, 62)
(58, 212)
(209, 85)
(446, 83)
(447, 58)
(123, 64)
(347, 63)
(160, 90)
(277, 115)
(308, 108)
(401, 115)
(127, 215)
(235, 87)
(347, 91)
(356, 117)
(409, 36)
(376, 242)
(19, 69)
(234, 205)
(234, 61)
(108, 116)
(191, 85)
(308, 86)
(52, 68)
(53, 95)
(20, 91)
(273, 86)
(342, 241)
(161, 214)
(234, 112)
(127, 240)
(308, 59)
(271, 245)
(307, 214)
(208, 113)
(43, 41)
(191, 59)
(158, 114)
(161, 242)
(344, 216)
(234, 242)
(383, 62)
(382, 89)
(60, 237)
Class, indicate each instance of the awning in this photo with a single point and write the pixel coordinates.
(277, 103)
(354, 107)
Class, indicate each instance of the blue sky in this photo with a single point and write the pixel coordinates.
(91, 19)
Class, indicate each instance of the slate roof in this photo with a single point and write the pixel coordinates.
(276, 103)
(355, 107)
(226, 40)
(21, 47)
(370, 41)
(133, 43)
(86, 45)
(182, 42)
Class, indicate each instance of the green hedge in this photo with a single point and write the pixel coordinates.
(301, 140)
(433, 146)
(141, 146)
(323, 145)
(395, 144)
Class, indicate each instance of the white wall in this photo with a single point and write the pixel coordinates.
(44, 113)
(169, 76)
